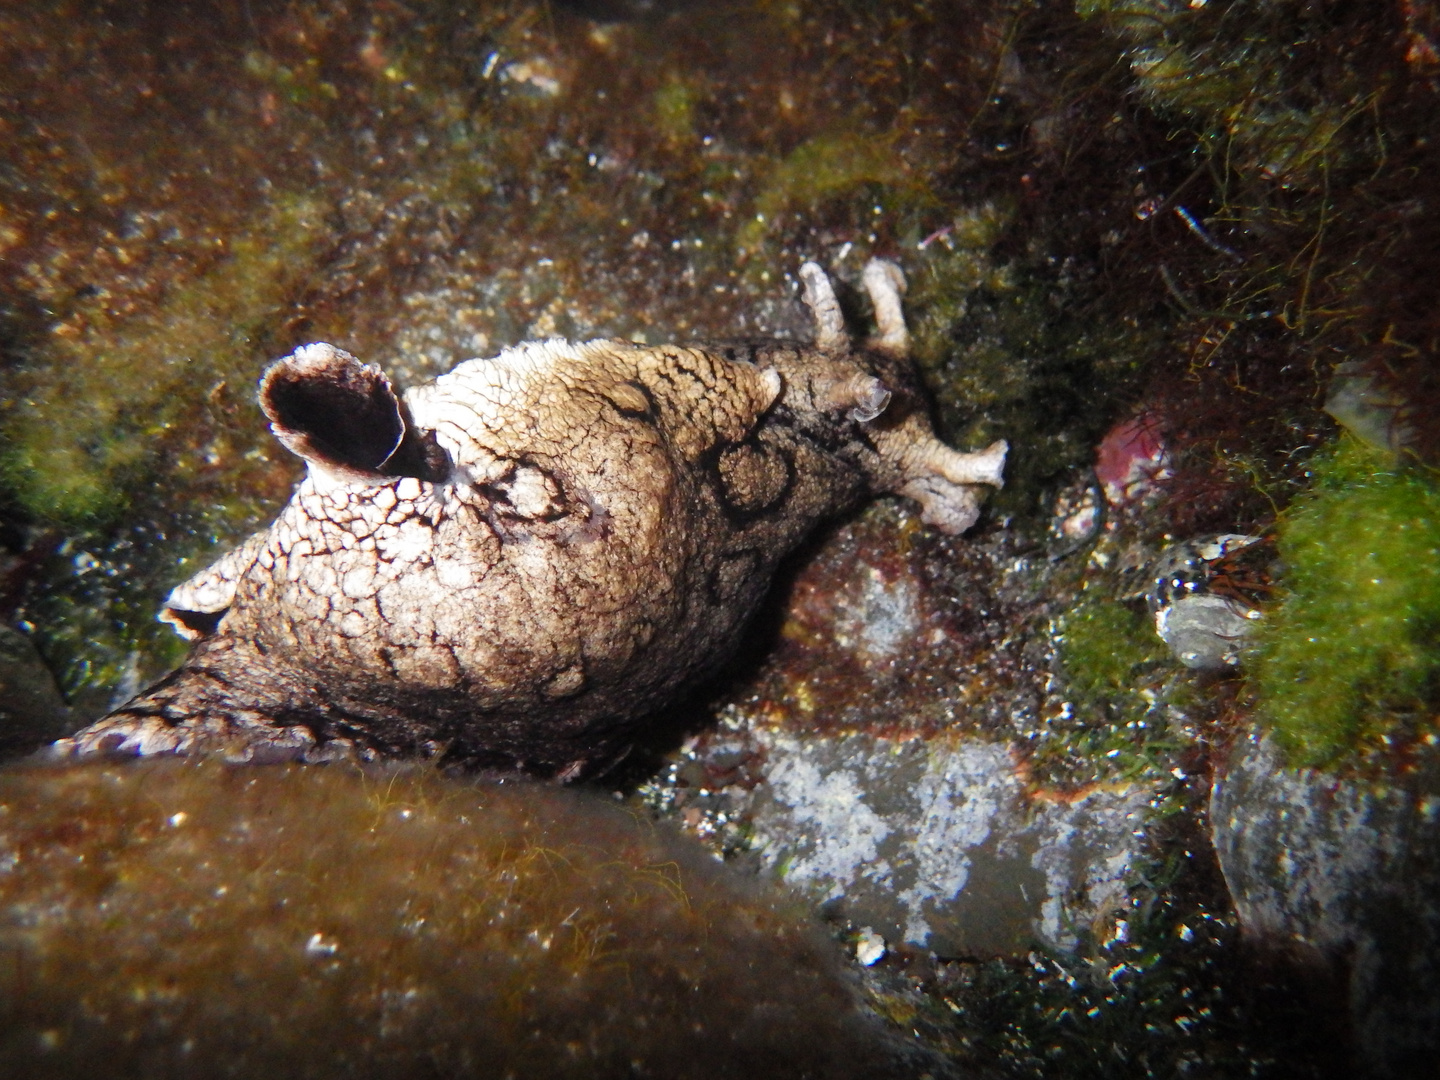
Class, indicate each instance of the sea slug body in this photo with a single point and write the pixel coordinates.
(512, 566)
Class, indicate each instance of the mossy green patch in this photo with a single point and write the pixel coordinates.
(1352, 652)
(1106, 649)
(1116, 681)
(675, 109)
(957, 262)
(301, 84)
(843, 164)
(139, 441)
(95, 413)
(1241, 70)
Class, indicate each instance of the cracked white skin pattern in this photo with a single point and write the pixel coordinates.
(512, 566)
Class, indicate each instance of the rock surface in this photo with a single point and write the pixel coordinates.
(937, 844)
(180, 918)
(32, 711)
(1348, 869)
(1205, 633)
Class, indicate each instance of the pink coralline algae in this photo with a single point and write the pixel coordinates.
(1131, 459)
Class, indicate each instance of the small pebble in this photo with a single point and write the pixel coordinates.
(870, 949)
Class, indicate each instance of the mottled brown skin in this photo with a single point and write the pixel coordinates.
(517, 563)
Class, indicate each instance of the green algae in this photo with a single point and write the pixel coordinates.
(97, 412)
(675, 109)
(302, 85)
(1106, 648)
(1307, 130)
(1349, 656)
(958, 263)
(1120, 689)
(1243, 71)
(138, 440)
(859, 167)
(171, 918)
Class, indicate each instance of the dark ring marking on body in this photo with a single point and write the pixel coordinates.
(735, 513)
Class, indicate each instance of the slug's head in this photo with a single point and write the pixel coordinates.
(874, 387)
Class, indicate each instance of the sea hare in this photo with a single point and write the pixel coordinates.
(511, 567)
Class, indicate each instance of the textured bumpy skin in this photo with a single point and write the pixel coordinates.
(513, 565)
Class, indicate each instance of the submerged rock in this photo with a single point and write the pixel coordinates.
(1205, 632)
(1197, 600)
(191, 918)
(882, 758)
(1348, 872)
(937, 844)
(1374, 413)
(32, 711)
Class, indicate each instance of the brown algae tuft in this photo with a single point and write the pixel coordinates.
(195, 918)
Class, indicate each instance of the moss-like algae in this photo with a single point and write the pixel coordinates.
(94, 420)
(1243, 72)
(1106, 648)
(1351, 654)
(1307, 125)
(1011, 356)
(848, 165)
(675, 109)
(1118, 685)
(196, 919)
(151, 418)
